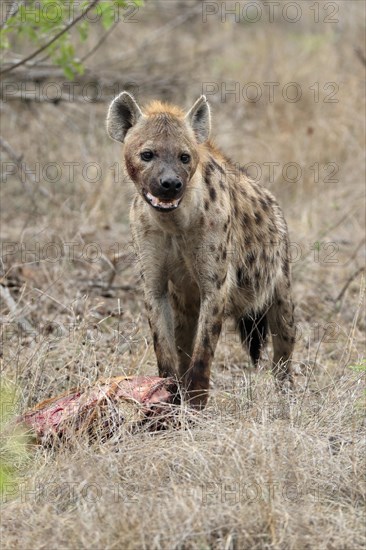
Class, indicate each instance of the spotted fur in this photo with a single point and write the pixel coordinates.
(223, 252)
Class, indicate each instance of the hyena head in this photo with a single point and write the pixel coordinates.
(161, 146)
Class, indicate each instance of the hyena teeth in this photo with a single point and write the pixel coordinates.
(154, 201)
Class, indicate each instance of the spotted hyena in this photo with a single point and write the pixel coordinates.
(211, 243)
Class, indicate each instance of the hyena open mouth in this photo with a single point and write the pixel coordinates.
(160, 204)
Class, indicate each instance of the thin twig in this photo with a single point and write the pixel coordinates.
(347, 283)
(326, 231)
(99, 43)
(45, 295)
(361, 56)
(10, 151)
(12, 306)
(29, 180)
(50, 42)
(171, 25)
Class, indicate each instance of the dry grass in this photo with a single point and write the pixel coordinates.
(256, 470)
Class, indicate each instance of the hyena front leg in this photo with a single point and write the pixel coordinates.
(197, 378)
(161, 323)
(186, 314)
(153, 268)
(282, 326)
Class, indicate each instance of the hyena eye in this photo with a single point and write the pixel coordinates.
(185, 158)
(147, 155)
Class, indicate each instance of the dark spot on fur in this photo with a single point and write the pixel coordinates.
(206, 340)
(222, 185)
(224, 255)
(239, 275)
(215, 310)
(264, 203)
(207, 205)
(244, 171)
(258, 217)
(246, 219)
(247, 281)
(212, 194)
(155, 339)
(248, 240)
(218, 166)
(216, 329)
(209, 168)
(250, 258)
(212, 247)
(220, 283)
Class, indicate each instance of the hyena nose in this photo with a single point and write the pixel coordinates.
(171, 185)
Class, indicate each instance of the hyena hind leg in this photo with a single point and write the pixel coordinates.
(253, 331)
(282, 327)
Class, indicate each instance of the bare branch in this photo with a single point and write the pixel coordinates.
(348, 282)
(50, 42)
(100, 42)
(156, 34)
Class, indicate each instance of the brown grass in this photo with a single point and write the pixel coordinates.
(255, 470)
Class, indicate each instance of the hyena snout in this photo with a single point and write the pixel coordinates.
(170, 187)
(165, 191)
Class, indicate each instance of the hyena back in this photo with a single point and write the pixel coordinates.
(211, 243)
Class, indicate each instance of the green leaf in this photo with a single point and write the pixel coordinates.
(37, 21)
(83, 30)
(359, 367)
(68, 72)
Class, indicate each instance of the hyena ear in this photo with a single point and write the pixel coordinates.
(123, 113)
(199, 117)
